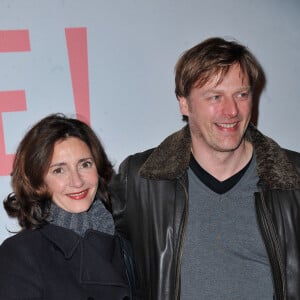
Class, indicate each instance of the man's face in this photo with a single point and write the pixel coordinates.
(219, 113)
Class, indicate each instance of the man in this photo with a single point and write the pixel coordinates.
(214, 211)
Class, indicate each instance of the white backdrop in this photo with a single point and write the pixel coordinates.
(119, 56)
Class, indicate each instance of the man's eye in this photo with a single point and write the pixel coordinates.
(215, 97)
(243, 95)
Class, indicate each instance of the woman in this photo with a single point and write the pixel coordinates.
(67, 248)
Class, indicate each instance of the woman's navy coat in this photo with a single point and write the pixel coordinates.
(56, 263)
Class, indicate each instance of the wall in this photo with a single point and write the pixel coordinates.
(111, 64)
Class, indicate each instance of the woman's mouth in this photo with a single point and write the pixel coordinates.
(78, 196)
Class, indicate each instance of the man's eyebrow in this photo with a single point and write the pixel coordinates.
(214, 90)
(245, 87)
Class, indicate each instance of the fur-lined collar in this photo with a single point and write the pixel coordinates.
(171, 158)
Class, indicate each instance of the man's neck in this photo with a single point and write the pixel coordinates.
(223, 165)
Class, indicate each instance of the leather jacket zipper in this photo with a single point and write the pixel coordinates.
(178, 269)
(272, 246)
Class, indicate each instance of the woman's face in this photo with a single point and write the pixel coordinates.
(72, 178)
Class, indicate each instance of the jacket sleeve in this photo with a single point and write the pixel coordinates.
(19, 274)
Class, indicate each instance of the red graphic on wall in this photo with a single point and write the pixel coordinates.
(78, 61)
(14, 40)
(10, 101)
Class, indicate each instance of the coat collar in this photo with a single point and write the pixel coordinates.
(100, 258)
(64, 239)
(171, 158)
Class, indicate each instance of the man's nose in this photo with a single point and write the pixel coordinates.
(230, 108)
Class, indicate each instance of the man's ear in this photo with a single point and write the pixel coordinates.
(183, 105)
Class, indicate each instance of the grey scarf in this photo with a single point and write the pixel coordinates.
(97, 218)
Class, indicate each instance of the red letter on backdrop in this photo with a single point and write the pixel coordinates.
(14, 40)
(11, 41)
(18, 41)
(78, 61)
(9, 101)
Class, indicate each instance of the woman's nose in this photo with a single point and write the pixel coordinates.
(75, 179)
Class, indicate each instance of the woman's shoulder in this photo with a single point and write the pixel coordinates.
(21, 241)
(20, 266)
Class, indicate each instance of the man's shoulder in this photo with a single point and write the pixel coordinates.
(133, 162)
(166, 161)
(294, 157)
(140, 157)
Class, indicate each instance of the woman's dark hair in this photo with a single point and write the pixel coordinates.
(30, 200)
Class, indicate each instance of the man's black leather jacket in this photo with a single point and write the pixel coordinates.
(151, 205)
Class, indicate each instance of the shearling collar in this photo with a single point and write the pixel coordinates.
(171, 158)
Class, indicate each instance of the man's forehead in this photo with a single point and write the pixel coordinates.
(217, 77)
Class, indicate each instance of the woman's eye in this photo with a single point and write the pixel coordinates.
(87, 164)
(58, 171)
